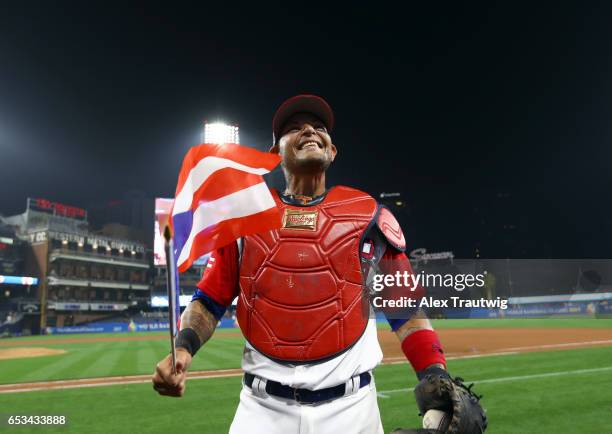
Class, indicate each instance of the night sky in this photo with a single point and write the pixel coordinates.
(482, 116)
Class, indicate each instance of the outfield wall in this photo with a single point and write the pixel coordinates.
(118, 327)
(520, 307)
(541, 310)
(589, 305)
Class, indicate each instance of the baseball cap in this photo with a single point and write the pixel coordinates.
(306, 103)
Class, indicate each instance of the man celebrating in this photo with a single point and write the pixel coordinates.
(303, 302)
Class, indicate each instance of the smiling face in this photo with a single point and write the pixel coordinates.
(304, 145)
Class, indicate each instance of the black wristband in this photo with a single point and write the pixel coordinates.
(432, 370)
(188, 339)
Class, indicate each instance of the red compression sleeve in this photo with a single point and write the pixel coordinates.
(423, 349)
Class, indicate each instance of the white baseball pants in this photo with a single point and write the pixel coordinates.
(259, 413)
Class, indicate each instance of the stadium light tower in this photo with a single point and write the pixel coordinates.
(220, 133)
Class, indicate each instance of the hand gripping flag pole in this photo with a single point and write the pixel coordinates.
(174, 307)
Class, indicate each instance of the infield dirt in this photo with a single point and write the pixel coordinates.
(458, 343)
(21, 352)
(473, 341)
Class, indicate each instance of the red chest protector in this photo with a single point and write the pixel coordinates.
(301, 296)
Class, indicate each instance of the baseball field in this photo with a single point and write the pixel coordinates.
(537, 376)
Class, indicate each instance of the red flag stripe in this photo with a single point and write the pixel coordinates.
(229, 230)
(204, 169)
(242, 203)
(223, 182)
(240, 154)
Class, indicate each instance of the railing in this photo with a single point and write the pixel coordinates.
(96, 300)
(89, 281)
(92, 255)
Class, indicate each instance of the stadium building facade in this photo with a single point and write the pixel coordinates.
(82, 275)
(16, 288)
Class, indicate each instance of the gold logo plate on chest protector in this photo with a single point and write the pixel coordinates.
(300, 219)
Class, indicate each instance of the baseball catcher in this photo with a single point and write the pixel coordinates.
(303, 304)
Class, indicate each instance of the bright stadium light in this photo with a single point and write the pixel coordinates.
(220, 133)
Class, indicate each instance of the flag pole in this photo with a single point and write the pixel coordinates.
(172, 294)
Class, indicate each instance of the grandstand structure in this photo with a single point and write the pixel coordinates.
(83, 275)
(14, 284)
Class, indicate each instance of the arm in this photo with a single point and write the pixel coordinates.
(197, 318)
(420, 322)
(420, 343)
(216, 290)
(197, 326)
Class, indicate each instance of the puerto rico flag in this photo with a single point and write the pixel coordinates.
(221, 196)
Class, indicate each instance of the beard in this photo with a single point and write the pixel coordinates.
(309, 165)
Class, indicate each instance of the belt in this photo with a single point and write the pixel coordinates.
(307, 396)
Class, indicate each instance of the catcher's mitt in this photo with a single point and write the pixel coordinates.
(439, 391)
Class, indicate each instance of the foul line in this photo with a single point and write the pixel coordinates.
(384, 393)
(108, 381)
(200, 375)
(195, 375)
(510, 351)
(400, 360)
(569, 344)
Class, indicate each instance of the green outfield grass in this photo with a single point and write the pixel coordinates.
(585, 322)
(551, 392)
(578, 322)
(104, 359)
(223, 351)
(26, 339)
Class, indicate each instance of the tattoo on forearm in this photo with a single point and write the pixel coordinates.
(198, 318)
(418, 322)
